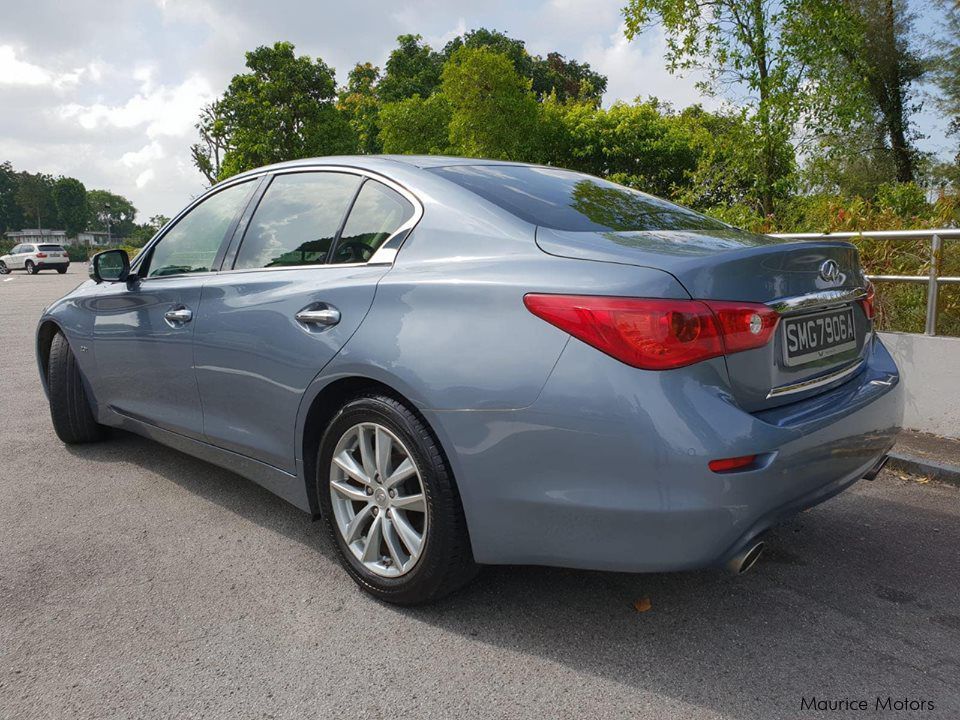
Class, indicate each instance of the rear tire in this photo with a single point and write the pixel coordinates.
(70, 411)
(444, 560)
(30, 268)
(62, 271)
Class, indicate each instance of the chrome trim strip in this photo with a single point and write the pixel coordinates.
(819, 300)
(816, 382)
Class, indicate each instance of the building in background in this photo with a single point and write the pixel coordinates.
(92, 238)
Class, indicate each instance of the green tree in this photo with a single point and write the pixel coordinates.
(891, 66)
(70, 198)
(551, 76)
(635, 144)
(780, 53)
(11, 215)
(208, 154)
(143, 232)
(107, 206)
(282, 109)
(34, 195)
(416, 126)
(946, 78)
(413, 68)
(493, 112)
(360, 104)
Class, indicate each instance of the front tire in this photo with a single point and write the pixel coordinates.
(70, 411)
(391, 504)
(30, 268)
(3, 268)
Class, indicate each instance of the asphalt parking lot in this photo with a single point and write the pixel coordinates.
(137, 582)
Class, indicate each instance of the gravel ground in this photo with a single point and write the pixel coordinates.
(137, 582)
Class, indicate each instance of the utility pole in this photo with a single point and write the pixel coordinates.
(107, 207)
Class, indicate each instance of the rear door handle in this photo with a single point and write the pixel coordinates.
(321, 316)
(178, 316)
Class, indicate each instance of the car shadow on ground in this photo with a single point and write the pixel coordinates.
(857, 598)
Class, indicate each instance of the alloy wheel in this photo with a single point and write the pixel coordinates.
(378, 499)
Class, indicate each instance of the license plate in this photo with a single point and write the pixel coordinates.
(818, 335)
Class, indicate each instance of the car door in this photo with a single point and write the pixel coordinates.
(303, 277)
(143, 328)
(18, 255)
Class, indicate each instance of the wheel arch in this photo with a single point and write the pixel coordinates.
(45, 333)
(326, 404)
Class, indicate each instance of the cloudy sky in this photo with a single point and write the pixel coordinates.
(108, 91)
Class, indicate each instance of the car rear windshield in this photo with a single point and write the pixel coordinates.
(51, 248)
(565, 200)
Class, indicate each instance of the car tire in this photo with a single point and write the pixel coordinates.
(70, 410)
(62, 271)
(30, 267)
(444, 562)
(4, 270)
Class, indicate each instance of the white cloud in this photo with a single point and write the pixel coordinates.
(146, 154)
(161, 111)
(144, 177)
(14, 71)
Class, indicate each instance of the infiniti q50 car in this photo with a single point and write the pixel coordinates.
(461, 362)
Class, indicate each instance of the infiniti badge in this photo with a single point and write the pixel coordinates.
(830, 271)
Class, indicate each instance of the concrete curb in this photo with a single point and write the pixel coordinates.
(921, 466)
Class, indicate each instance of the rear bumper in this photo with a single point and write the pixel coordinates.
(51, 264)
(608, 468)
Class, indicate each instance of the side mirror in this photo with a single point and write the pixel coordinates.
(110, 266)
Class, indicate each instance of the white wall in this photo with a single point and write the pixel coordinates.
(930, 369)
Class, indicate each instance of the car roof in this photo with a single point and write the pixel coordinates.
(381, 162)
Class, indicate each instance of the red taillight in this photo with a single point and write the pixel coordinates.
(868, 303)
(41, 255)
(744, 325)
(735, 463)
(657, 334)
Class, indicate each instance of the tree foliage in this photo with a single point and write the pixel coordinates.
(416, 126)
(105, 205)
(282, 108)
(360, 104)
(777, 58)
(493, 112)
(70, 199)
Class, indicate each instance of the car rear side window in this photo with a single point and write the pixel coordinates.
(192, 244)
(377, 213)
(297, 220)
(565, 200)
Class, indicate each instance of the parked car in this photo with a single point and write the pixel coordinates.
(460, 362)
(34, 257)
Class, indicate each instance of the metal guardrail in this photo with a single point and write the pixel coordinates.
(933, 280)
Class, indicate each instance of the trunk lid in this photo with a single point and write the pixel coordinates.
(729, 264)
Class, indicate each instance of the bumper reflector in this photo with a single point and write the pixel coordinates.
(729, 464)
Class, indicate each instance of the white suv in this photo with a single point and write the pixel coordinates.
(34, 257)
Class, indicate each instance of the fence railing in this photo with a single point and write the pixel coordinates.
(933, 280)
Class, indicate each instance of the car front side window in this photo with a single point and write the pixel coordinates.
(192, 244)
(297, 220)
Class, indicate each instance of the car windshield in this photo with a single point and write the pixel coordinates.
(51, 248)
(565, 200)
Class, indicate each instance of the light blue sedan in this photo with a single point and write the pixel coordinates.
(461, 362)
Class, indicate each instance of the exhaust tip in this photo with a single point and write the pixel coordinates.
(746, 558)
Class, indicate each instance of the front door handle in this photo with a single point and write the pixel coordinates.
(178, 316)
(322, 316)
